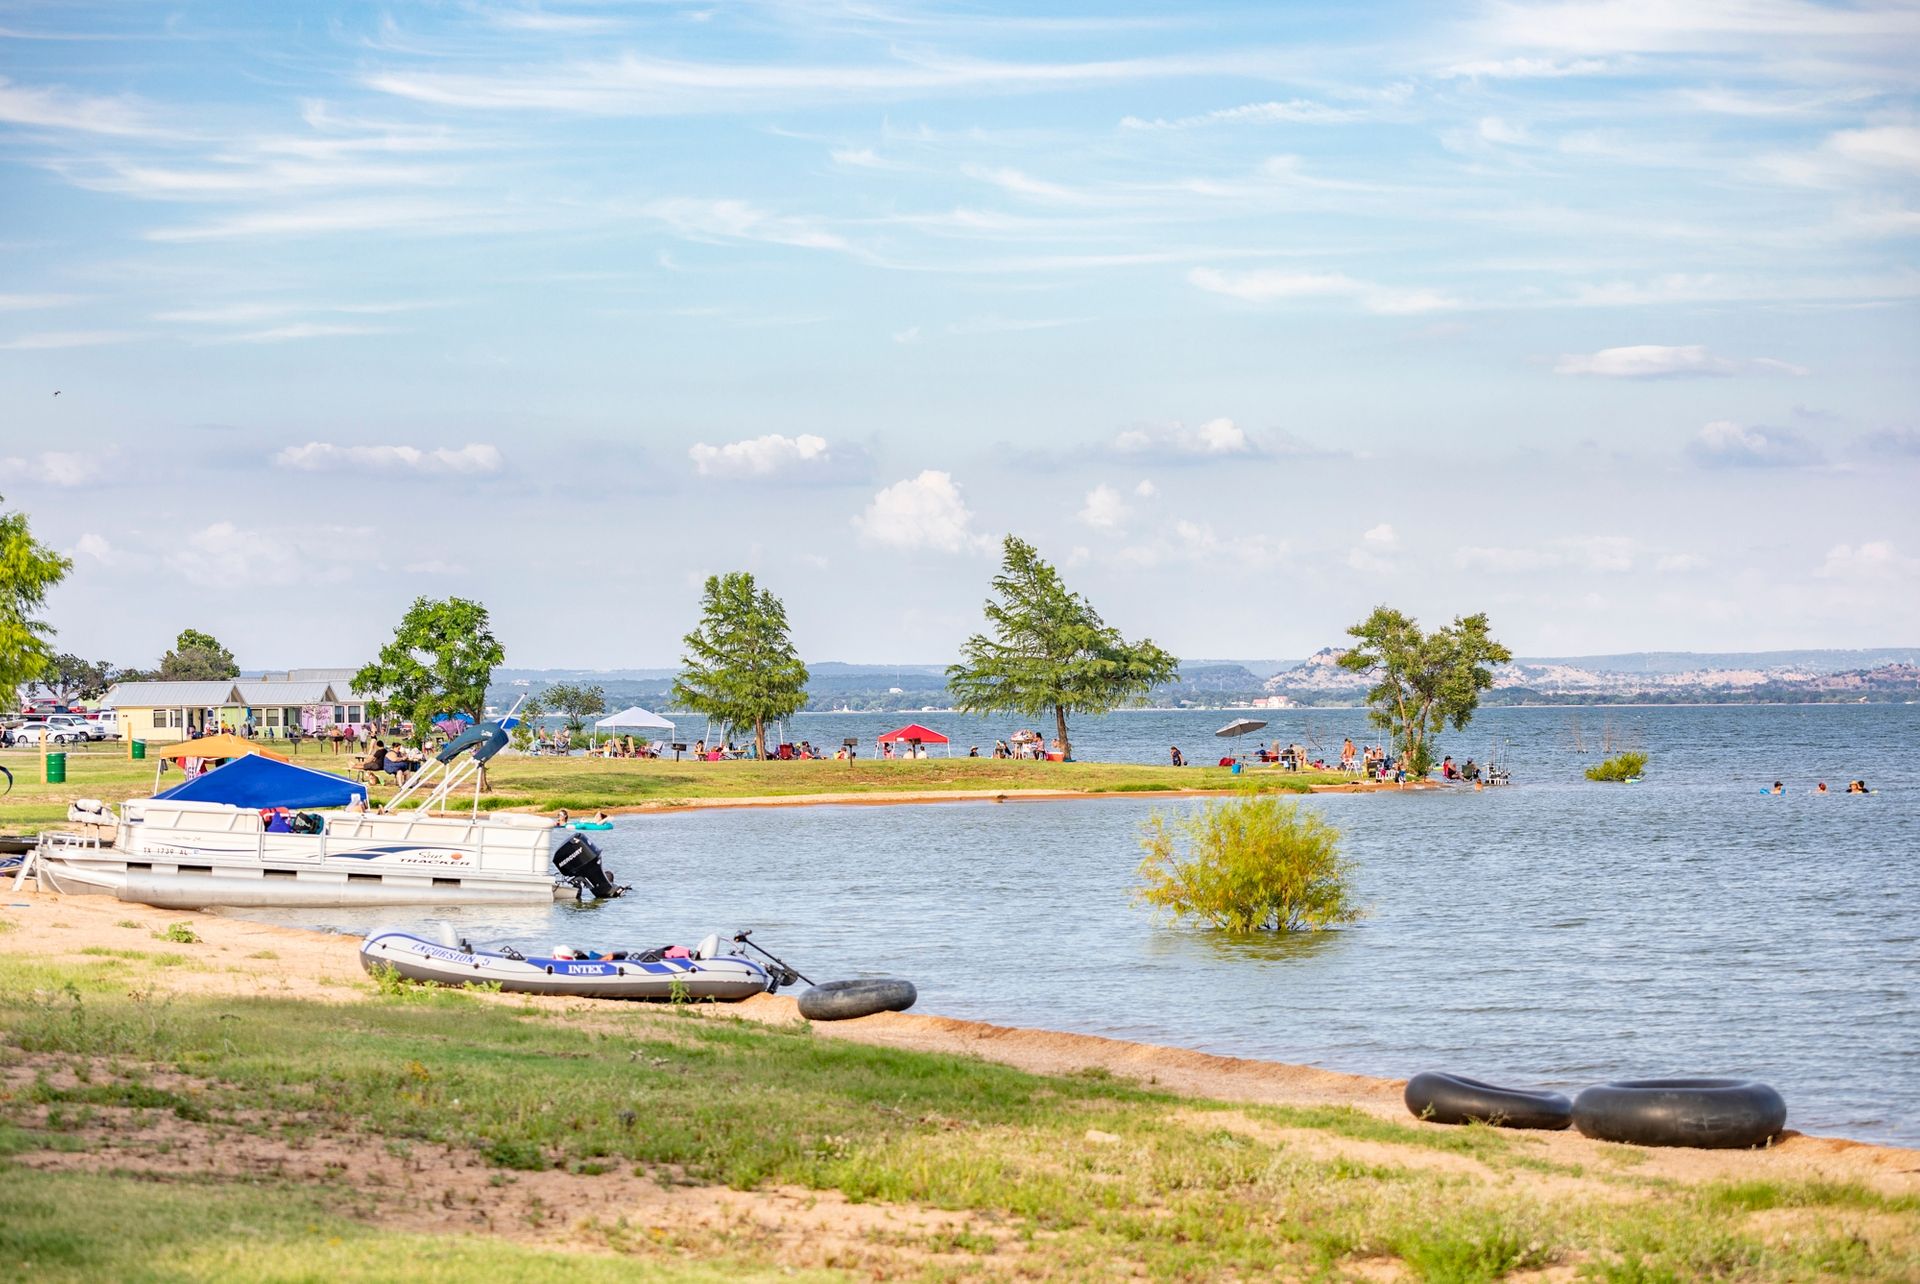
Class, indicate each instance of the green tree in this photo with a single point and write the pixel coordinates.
(28, 572)
(1050, 651)
(197, 657)
(528, 726)
(440, 660)
(576, 701)
(740, 667)
(70, 679)
(1424, 680)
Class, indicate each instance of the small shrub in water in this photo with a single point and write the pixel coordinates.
(1254, 864)
(1622, 766)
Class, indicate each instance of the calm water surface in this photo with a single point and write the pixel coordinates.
(1556, 933)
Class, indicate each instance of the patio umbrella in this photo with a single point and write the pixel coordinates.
(1240, 727)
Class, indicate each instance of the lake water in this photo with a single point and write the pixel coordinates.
(1554, 933)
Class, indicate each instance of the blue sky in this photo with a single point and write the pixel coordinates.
(1600, 317)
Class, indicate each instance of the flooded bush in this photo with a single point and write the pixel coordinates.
(1250, 865)
(1622, 766)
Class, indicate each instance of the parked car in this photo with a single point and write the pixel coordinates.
(61, 729)
(104, 725)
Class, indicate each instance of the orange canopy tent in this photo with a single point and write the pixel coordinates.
(223, 745)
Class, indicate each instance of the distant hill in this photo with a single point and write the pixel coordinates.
(1810, 676)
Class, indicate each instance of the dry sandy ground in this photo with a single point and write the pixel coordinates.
(897, 797)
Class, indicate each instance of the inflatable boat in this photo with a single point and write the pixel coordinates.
(706, 971)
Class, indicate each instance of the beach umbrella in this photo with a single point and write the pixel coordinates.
(1240, 727)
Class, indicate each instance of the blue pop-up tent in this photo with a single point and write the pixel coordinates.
(258, 781)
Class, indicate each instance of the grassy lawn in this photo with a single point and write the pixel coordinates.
(1080, 1176)
(589, 783)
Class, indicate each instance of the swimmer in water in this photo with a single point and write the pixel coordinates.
(1820, 788)
(1778, 788)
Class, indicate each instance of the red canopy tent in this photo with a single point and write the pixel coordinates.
(914, 733)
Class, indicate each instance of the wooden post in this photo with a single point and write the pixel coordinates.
(43, 754)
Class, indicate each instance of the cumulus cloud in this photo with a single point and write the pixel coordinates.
(1105, 510)
(98, 548)
(1876, 560)
(53, 467)
(1601, 553)
(321, 456)
(1369, 557)
(766, 456)
(1187, 542)
(1657, 361)
(1269, 285)
(1213, 439)
(1893, 441)
(224, 555)
(921, 512)
(1724, 443)
(1146, 489)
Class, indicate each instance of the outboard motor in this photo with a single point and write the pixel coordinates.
(579, 863)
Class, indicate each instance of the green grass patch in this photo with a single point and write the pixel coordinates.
(587, 784)
(1094, 1174)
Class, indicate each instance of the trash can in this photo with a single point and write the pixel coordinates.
(1236, 766)
(139, 750)
(57, 767)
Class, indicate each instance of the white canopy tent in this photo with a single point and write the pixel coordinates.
(633, 719)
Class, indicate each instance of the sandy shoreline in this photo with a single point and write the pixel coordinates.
(900, 797)
(325, 967)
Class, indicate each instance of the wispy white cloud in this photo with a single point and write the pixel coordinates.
(52, 339)
(1294, 111)
(1656, 361)
(52, 108)
(328, 217)
(1522, 68)
(304, 330)
(1270, 285)
(1884, 146)
(543, 22)
(760, 457)
(721, 221)
(637, 85)
(321, 456)
(31, 302)
(1599, 27)
(923, 512)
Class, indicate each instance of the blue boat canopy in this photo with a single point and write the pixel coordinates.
(260, 782)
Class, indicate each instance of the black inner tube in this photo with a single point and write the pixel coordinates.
(846, 1000)
(1712, 1114)
(1456, 1099)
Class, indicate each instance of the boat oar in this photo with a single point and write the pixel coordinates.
(740, 938)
